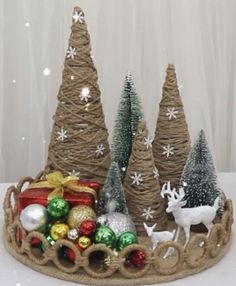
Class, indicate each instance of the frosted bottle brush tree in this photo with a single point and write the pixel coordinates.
(199, 176)
(112, 198)
(128, 115)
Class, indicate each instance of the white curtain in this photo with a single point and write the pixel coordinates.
(142, 36)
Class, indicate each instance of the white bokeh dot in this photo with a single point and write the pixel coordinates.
(23, 138)
(27, 24)
(13, 81)
(46, 71)
(44, 141)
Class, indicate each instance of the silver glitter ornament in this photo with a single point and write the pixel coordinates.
(118, 222)
(73, 234)
(34, 217)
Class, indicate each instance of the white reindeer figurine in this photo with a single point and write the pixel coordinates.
(185, 217)
(158, 236)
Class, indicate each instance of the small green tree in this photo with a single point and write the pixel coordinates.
(200, 175)
(112, 197)
(128, 115)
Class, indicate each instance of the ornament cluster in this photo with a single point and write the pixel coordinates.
(58, 219)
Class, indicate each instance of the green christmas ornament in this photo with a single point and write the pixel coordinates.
(105, 235)
(58, 207)
(125, 239)
(50, 240)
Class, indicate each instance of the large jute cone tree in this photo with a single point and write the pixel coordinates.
(79, 139)
(141, 184)
(171, 144)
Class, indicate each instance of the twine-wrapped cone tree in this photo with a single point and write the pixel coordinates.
(79, 139)
(128, 115)
(171, 144)
(141, 184)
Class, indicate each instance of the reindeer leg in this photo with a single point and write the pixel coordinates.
(171, 250)
(209, 227)
(187, 235)
(177, 234)
(154, 245)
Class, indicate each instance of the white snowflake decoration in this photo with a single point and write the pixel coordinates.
(171, 113)
(156, 173)
(168, 151)
(100, 150)
(147, 213)
(62, 134)
(148, 142)
(78, 17)
(70, 53)
(137, 178)
(74, 174)
(85, 94)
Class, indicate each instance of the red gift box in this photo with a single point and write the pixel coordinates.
(40, 196)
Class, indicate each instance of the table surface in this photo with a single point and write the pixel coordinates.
(13, 273)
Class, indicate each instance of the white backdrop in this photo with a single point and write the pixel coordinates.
(142, 36)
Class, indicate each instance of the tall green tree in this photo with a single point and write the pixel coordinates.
(200, 175)
(128, 115)
(112, 198)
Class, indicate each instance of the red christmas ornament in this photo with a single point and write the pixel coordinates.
(87, 227)
(70, 253)
(137, 258)
(35, 242)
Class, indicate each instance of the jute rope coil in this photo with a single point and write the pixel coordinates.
(182, 262)
(171, 130)
(81, 120)
(145, 194)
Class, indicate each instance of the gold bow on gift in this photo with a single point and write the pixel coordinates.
(61, 184)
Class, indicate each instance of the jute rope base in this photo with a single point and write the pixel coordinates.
(109, 268)
(116, 279)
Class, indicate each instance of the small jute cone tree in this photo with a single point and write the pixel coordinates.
(128, 115)
(141, 184)
(171, 144)
(79, 139)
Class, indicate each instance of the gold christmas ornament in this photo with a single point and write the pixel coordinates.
(59, 231)
(78, 214)
(84, 242)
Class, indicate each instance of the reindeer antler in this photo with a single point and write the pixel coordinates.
(166, 190)
(172, 194)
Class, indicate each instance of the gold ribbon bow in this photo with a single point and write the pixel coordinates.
(61, 184)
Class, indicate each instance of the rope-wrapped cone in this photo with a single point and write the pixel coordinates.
(143, 197)
(79, 138)
(171, 143)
